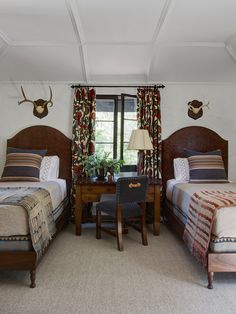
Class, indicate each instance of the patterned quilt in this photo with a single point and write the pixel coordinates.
(37, 203)
(202, 208)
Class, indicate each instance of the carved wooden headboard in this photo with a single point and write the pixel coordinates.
(45, 137)
(195, 138)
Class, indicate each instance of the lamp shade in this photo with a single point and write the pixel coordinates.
(140, 140)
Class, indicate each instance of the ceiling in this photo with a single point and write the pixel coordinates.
(118, 41)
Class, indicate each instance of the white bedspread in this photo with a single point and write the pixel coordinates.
(14, 219)
(179, 193)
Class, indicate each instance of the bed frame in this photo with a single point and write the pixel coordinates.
(199, 139)
(56, 143)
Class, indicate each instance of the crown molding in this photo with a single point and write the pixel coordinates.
(120, 82)
(166, 83)
(116, 43)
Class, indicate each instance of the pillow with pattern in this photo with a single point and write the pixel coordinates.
(22, 164)
(207, 167)
(181, 169)
(49, 169)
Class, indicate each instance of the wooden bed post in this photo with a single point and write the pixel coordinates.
(32, 278)
(210, 279)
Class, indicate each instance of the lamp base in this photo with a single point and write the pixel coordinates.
(140, 163)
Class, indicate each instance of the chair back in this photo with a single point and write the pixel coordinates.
(131, 189)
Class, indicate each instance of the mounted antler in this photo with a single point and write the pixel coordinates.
(40, 105)
(195, 109)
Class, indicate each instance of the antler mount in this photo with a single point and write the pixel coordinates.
(40, 105)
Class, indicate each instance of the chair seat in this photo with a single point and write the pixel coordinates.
(128, 209)
(107, 197)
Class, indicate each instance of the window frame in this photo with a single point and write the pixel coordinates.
(122, 96)
(123, 121)
(115, 98)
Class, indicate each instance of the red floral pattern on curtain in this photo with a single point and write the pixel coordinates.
(83, 133)
(149, 118)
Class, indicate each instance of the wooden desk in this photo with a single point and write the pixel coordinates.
(90, 190)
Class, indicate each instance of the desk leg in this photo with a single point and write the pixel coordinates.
(156, 211)
(78, 210)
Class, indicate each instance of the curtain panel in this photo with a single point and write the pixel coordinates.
(149, 118)
(83, 132)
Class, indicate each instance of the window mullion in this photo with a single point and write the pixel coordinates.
(122, 127)
(115, 127)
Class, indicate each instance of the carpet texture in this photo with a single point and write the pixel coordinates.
(89, 276)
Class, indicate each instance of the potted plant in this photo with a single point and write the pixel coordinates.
(113, 166)
(100, 164)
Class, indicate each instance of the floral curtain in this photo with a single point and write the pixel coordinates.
(83, 133)
(149, 118)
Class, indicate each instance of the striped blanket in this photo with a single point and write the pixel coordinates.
(37, 203)
(202, 208)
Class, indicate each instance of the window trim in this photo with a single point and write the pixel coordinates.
(123, 122)
(115, 98)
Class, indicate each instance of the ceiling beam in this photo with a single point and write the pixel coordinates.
(193, 44)
(162, 20)
(118, 43)
(228, 47)
(5, 40)
(42, 43)
(77, 26)
(3, 49)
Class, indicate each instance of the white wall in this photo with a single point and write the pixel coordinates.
(14, 117)
(220, 117)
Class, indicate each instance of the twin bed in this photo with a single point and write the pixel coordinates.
(19, 245)
(181, 201)
(16, 244)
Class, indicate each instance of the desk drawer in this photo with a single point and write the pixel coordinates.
(97, 190)
(90, 198)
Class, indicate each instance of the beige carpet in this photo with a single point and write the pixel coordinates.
(85, 275)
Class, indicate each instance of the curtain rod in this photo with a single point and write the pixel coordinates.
(158, 86)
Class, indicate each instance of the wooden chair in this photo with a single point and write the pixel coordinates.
(126, 207)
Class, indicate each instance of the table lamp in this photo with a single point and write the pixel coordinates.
(140, 141)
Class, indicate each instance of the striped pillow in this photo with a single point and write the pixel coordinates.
(206, 168)
(22, 164)
(189, 152)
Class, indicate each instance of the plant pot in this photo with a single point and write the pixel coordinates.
(101, 173)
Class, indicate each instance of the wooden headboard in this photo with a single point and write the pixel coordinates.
(45, 137)
(194, 137)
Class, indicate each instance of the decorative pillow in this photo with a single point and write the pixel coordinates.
(22, 164)
(181, 169)
(189, 152)
(49, 168)
(207, 168)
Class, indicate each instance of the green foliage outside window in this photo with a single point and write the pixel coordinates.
(109, 127)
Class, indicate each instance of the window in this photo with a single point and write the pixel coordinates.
(116, 117)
